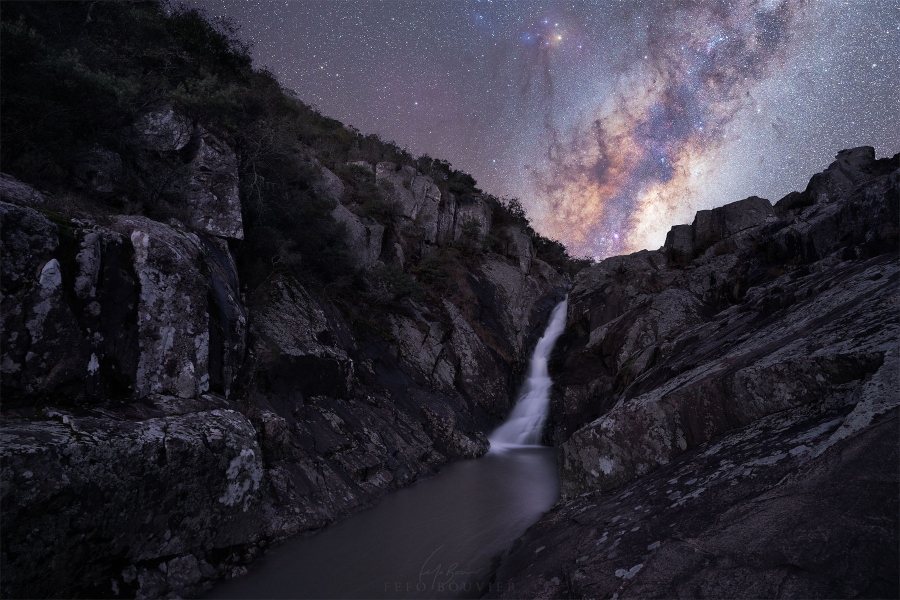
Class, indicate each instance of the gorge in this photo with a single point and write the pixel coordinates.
(228, 323)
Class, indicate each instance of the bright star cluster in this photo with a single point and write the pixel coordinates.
(611, 120)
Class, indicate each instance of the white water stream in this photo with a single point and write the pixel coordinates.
(526, 422)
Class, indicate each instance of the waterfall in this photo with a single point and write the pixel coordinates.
(526, 422)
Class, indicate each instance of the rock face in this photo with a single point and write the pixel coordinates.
(128, 500)
(725, 401)
(160, 430)
(184, 161)
(364, 236)
(119, 312)
(425, 217)
(738, 368)
(212, 189)
(163, 425)
(172, 319)
(778, 509)
(428, 214)
(684, 242)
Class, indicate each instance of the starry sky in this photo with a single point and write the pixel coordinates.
(610, 120)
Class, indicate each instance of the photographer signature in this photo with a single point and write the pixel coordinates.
(438, 574)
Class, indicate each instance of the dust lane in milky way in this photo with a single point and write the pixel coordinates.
(629, 171)
(611, 120)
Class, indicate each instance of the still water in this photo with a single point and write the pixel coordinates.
(435, 539)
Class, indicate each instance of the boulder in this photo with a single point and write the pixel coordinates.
(14, 191)
(711, 226)
(164, 141)
(212, 188)
(328, 184)
(685, 242)
(364, 236)
(43, 352)
(92, 313)
(79, 490)
(850, 168)
(105, 303)
(416, 195)
(163, 130)
(679, 245)
(173, 319)
(99, 170)
(28, 239)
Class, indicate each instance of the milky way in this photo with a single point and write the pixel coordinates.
(611, 120)
(615, 178)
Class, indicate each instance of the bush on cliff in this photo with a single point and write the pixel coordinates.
(77, 76)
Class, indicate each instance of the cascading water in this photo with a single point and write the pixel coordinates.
(526, 422)
(438, 538)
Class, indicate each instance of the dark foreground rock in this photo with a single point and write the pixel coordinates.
(727, 406)
(785, 508)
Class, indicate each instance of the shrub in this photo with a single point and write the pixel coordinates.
(438, 270)
(389, 285)
(498, 241)
(555, 254)
(206, 99)
(469, 241)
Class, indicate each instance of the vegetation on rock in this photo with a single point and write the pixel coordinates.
(77, 76)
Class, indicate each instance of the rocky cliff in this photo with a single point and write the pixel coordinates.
(163, 423)
(727, 406)
(227, 319)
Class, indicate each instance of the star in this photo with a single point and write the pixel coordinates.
(608, 117)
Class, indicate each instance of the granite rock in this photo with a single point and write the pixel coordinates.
(726, 407)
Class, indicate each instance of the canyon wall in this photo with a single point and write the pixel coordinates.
(163, 424)
(726, 411)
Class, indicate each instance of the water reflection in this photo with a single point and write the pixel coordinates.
(434, 539)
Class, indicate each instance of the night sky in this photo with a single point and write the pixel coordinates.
(610, 120)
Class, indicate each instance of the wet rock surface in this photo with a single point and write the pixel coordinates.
(724, 401)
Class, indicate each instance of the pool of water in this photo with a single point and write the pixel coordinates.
(434, 539)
